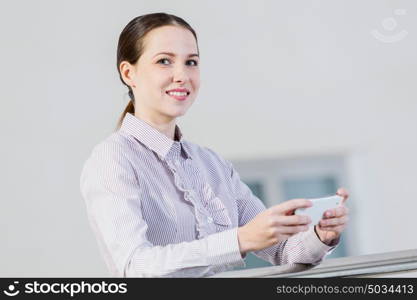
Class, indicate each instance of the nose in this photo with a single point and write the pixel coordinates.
(180, 74)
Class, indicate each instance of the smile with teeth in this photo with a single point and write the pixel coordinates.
(180, 94)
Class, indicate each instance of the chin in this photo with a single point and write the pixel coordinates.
(178, 113)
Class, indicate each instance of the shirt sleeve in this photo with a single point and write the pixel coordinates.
(110, 188)
(304, 247)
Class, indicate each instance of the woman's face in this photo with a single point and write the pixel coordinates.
(169, 61)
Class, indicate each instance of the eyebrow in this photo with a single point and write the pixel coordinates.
(172, 54)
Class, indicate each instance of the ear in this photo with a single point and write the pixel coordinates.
(127, 72)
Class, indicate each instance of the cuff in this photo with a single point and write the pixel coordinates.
(316, 246)
(332, 244)
(223, 248)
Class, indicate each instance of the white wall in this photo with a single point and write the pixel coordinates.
(279, 78)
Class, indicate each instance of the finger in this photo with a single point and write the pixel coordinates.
(291, 205)
(294, 220)
(334, 221)
(341, 211)
(293, 229)
(336, 212)
(344, 193)
(338, 229)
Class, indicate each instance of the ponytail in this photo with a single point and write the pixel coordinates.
(130, 108)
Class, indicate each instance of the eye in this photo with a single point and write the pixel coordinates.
(194, 62)
(191, 62)
(163, 59)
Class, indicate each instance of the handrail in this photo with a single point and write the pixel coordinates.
(372, 265)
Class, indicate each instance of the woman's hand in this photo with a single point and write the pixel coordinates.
(273, 225)
(334, 221)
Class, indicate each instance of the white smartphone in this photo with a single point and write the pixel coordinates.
(320, 205)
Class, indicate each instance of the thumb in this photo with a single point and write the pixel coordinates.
(343, 193)
(288, 207)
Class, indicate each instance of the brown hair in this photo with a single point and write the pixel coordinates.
(131, 46)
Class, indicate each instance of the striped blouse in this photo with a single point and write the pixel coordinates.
(170, 208)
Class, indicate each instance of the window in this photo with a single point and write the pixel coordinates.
(276, 180)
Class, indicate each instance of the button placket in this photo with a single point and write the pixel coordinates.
(203, 227)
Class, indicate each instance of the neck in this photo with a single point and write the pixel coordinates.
(164, 125)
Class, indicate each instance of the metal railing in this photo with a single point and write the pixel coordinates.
(390, 264)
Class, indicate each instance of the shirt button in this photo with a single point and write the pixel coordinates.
(210, 219)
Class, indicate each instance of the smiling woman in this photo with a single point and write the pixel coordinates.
(157, 60)
(161, 206)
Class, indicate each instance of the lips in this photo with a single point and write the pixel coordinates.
(178, 93)
(179, 90)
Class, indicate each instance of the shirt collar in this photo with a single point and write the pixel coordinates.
(151, 137)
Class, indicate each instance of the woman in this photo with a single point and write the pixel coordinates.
(163, 206)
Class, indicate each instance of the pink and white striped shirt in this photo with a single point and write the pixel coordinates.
(170, 208)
